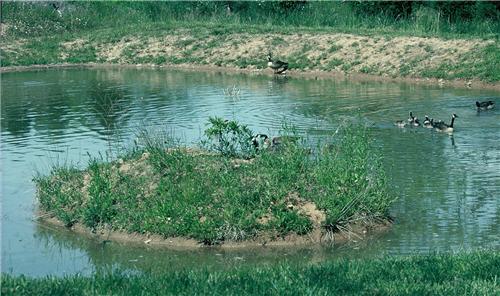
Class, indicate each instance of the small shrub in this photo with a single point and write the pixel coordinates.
(229, 138)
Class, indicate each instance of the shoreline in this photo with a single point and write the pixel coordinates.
(315, 238)
(311, 74)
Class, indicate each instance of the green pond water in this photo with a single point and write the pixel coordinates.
(448, 186)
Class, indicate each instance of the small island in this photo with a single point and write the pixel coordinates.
(231, 190)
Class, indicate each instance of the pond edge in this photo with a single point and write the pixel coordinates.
(312, 74)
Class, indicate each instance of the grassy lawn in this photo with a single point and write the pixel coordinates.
(475, 273)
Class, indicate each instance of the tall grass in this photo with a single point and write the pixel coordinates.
(474, 273)
(216, 196)
(415, 18)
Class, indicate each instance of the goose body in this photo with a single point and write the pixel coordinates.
(401, 123)
(280, 140)
(443, 127)
(261, 141)
(277, 65)
(416, 122)
(411, 118)
(428, 123)
(486, 105)
(410, 121)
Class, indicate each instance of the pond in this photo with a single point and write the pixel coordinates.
(448, 187)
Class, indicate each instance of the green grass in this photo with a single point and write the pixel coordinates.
(441, 19)
(484, 64)
(232, 193)
(36, 33)
(474, 273)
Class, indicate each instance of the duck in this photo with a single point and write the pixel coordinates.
(278, 66)
(486, 105)
(443, 127)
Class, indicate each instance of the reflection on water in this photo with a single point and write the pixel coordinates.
(448, 186)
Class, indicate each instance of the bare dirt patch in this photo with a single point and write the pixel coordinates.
(381, 56)
(386, 56)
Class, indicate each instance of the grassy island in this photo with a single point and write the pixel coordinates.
(230, 190)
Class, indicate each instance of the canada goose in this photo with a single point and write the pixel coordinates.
(263, 142)
(278, 66)
(401, 123)
(486, 105)
(436, 123)
(280, 140)
(260, 141)
(428, 123)
(415, 122)
(411, 118)
(443, 127)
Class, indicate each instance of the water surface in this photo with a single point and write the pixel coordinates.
(448, 187)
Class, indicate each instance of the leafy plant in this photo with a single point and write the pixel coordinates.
(228, 137)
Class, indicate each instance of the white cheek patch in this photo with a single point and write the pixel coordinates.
(269, 64)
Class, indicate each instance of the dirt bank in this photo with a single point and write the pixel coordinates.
(357, 232)
(455, 62)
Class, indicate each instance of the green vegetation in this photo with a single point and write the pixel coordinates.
(446, 18)
(221, 34)
(475, 273)
(228, 191)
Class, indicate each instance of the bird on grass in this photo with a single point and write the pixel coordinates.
(263, 142)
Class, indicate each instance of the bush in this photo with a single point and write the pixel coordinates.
(229, 138)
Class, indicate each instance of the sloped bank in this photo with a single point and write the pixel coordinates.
(466, 62)
(225, 194)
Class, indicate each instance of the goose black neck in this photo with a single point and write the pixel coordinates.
(452, 120)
